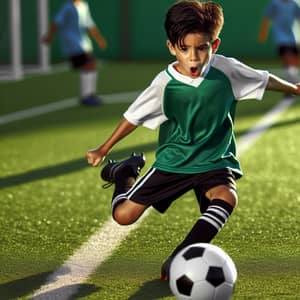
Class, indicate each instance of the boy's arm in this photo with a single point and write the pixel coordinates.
(48, 37)
(96, 156)
(277, 84)
(98, 37)
(263, 31)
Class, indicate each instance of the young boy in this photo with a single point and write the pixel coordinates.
(74, 22)
(193, 103)
(283, 15)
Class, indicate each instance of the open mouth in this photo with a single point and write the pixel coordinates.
(194, 71)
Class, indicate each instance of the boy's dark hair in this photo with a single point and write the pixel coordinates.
(191, 16)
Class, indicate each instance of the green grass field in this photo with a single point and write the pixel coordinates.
(51, 201)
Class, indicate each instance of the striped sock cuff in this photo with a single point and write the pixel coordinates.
(217, 214)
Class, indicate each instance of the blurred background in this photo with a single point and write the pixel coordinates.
(133, 28)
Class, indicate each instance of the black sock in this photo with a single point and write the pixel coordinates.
(208, 225)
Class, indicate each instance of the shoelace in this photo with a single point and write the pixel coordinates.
(107, 185)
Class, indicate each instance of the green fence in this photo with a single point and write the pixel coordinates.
(134, 29)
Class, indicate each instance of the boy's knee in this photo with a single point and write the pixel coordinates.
(122, 217)
(225, 193)
(232, 197)
(128, 212)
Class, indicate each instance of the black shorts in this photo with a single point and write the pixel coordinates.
(77, 61)
(159, 188)
(288, 49)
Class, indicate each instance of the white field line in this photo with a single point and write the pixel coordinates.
(65, 282)
(247, 140)
(60, 105)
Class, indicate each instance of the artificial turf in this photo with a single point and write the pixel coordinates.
(52, 201)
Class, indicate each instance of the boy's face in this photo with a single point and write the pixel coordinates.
(193, 54)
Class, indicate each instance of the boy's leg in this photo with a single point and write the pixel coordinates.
(86, 64)
(209, 224)
(88, 84)
(222, 199)
(127, 212)
(203, 231)
(290, 58)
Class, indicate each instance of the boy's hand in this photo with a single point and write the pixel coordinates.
(102, 44)
(95, 156)
(46, 39)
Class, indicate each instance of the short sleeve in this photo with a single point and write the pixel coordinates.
(246, 82)
(269, 10)
(89, 19)
(147, 109)
(59, 18)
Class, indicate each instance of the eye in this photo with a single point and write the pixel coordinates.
(203, 48)
(183, 48)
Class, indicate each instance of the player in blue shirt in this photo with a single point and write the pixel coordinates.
(75, 24)
(283, 15)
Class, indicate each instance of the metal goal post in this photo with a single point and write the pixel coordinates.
(15, 69)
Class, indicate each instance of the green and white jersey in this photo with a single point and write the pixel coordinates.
(196, 116)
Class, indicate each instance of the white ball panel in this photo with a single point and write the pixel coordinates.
(202, 290)
(215, 256)
(196, 269)
(223, 292)
(178, 266)
(230, 271)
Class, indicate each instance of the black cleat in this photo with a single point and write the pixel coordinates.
(129, 167)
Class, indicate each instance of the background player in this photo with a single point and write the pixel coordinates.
(284, 16)
(75, 23)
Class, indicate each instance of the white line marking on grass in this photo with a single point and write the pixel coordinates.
(63, 104)
(37, 111)
(64, 282)
(124, 97)
(266, 122)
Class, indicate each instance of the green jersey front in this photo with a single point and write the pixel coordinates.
(195, 116)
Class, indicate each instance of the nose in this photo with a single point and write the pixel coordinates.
(194, 55)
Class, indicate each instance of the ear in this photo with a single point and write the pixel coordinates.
(171, 48)
(215, 45)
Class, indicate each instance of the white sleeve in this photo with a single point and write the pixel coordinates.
(246, 82)
(147, 109)
(89, 22)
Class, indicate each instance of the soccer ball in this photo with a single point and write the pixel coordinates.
(202, 272)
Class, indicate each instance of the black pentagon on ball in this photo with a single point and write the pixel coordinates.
(215, 276)
(193, 252)
(184, 285)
